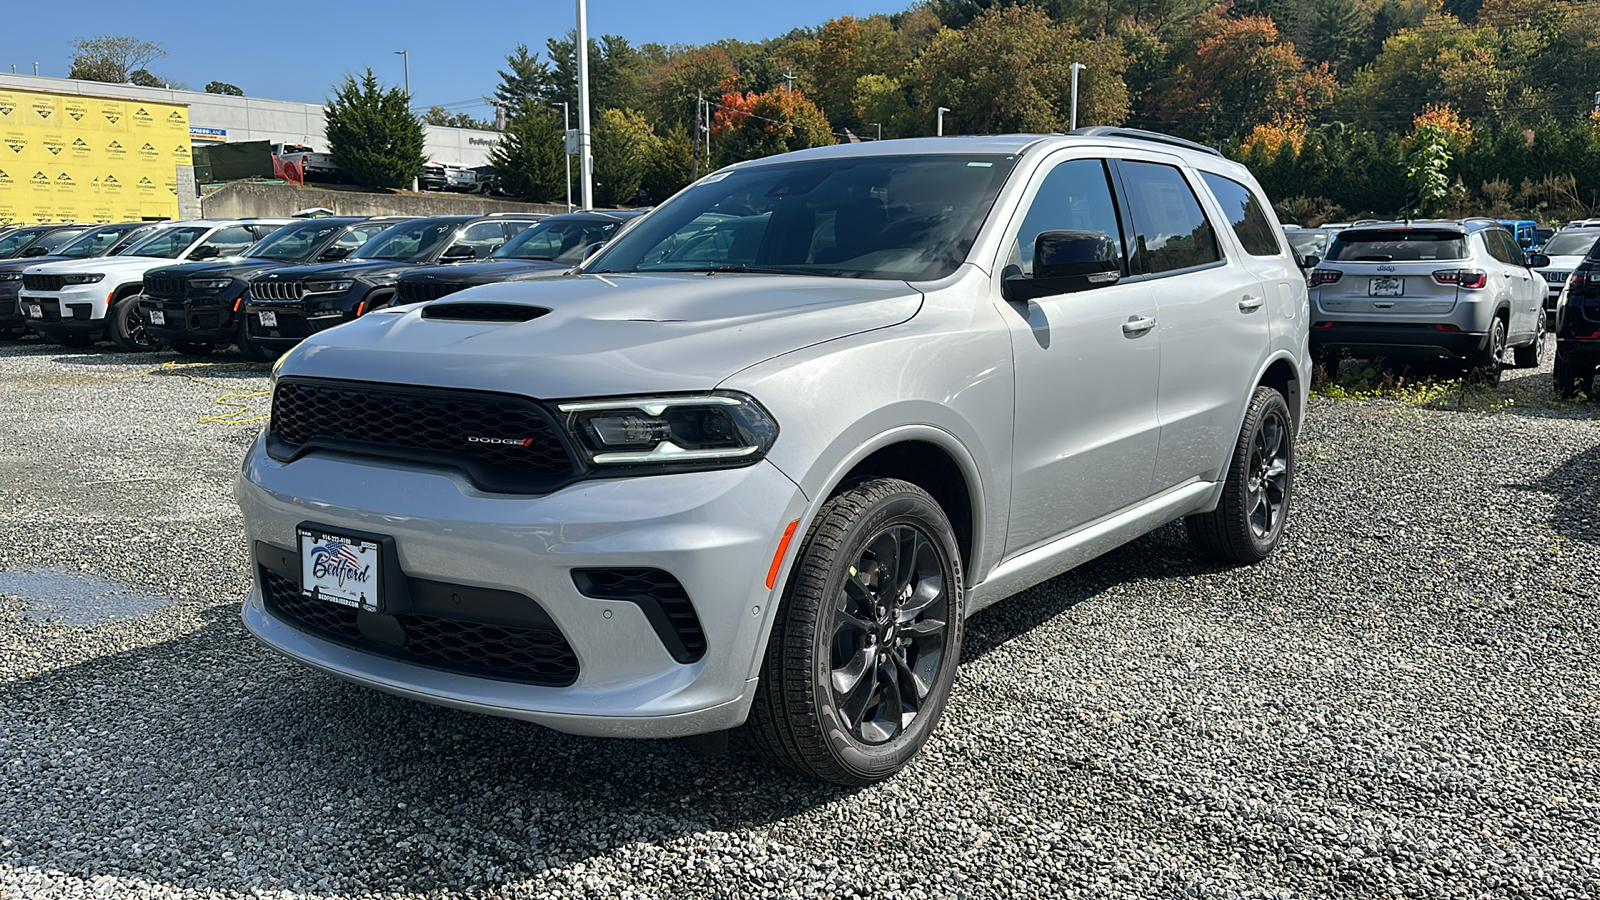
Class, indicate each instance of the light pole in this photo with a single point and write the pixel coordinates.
(942, 111)
(405, 57)
(1076, 68)
(566, 149)
(880, 129)
(585, 151)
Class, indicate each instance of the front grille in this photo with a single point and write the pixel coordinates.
(290, 325)
(165, 286)
(205, 320)
(44, 282)
(506, 652)
(662, 598)
(424, 423)
(422, 291)
(1555, 277)
(278, 290)
(483, 312)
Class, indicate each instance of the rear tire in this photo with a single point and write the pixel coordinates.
(864, 650)
(248, 348)
(1248, 523)
(1532, 355)
(128, 330)
(1486, 365)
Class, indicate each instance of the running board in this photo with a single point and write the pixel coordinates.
(1046, 562)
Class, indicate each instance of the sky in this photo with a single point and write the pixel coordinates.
(299, 50)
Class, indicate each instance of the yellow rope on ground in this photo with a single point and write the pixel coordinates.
(235, 400)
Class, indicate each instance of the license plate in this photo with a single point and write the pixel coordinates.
(35, 311)
(1386, 287)
(339, 569)
(268, 319)
(157, 317)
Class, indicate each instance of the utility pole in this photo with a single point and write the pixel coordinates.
(699, 101)
(940, 131)
(567, 148)
(880, 129)
(1076, 68)
(788, 79)
(585, 147)
(36, 72)
(405, 56)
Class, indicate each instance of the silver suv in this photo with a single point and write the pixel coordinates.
(1430, 289)
(757, 460)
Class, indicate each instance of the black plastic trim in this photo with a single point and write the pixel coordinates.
(684, 639)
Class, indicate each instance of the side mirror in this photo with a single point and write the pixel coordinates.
(594, 248)
(334, 254)
(1066, 262)
(1538, 260)
(1310, 262)
(459, 252)
(35, 251)
(205, 252)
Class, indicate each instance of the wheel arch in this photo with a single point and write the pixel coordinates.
(1282, 375)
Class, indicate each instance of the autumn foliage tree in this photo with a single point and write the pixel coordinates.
(748, 126)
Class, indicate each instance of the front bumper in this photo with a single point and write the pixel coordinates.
(190, 319)
(1396, 340)
(716, 532)
(68, 312)
(295, 324)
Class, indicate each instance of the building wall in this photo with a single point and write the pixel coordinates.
(254, 198)
(214, 116)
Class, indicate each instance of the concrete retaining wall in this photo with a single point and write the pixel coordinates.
(243, 198)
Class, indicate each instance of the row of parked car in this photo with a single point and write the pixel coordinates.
(265, 284)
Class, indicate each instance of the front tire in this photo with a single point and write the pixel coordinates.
(248, 348)
(128, 330)
(1248, 523)
(863, 654)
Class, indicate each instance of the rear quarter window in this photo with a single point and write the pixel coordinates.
(1398, 245)
(1256, 232)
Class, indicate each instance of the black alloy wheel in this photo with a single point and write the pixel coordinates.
(128, 327)
(1249, 520)
(1531, 356)
(248, 348)
(864, 650)
(1487, 364)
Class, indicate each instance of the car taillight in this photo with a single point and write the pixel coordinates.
(1325, 276)
(1471, 279)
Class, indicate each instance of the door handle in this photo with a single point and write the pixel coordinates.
(1249, 303)
(1138, 325)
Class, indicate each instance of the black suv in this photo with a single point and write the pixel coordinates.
(102, 240)
(193, 306)
(554, 245)
(1578, 328)
(36, 240)
(285, 306)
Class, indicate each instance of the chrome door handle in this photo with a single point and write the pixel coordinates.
(1138, 325)
(1249, 303)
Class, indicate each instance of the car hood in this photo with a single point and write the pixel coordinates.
(17, 265)
(238, 267)
(488, 272)
(112, 267)
(356, 269)
(607, 335)
(1562, 263)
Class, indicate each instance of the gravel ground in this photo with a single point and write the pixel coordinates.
(1400, 703)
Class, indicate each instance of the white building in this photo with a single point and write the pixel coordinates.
(218, 118)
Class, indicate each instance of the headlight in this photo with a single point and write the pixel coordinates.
(82, 278)
(10, 276)
(209, 284)
(703, 429)
(329, 287)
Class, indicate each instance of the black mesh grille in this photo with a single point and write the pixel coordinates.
(421, 291)
(205, 320)
(662, 597)
(290, 325)
(165, 286)
(482, 312)
(44, 282)
(510, 653)
(499, 441)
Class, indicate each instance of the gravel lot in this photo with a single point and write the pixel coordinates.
(1401, 703)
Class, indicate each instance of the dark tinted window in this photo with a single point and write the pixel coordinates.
(1504, 247)
(411, 241)
(57, 239)
(13, 242)
(1397, 245)
(1173, 231)
(558, 240)
(292, 243)
(1075, 196)
(168, 242)
(1570, 243)
(94, 242)
(1256, 232)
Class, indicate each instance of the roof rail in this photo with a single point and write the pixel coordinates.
(1142, 135)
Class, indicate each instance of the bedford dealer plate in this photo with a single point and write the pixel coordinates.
(268, 319)
(1386, 287)
(339, 569)
(35, 311)
(157, 317)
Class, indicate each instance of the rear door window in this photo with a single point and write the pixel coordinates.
(1172, 230)
(1256, 232)
(1398, 245)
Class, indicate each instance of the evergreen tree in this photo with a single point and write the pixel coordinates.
(372, 134)
(529, 78)
(531, 156)
(670, 166)
(623, 146)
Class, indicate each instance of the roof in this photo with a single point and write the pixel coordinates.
(1007, 144)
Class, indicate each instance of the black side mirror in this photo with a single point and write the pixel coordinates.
(35, 251)
(459, 252)
(1066, 262)
(334, 254)
(594, 248)
(206, 252)
(1538, 260)
(1310, 262)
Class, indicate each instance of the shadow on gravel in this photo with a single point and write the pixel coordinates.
(1576, 486)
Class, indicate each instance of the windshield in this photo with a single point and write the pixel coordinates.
(95, 241)
(168, 243)
(1398, 246)
(293, 243)
(13, 242)
(901, 217)
(1571, 243)
(408, 241)
(558, 240)
(1308, 243)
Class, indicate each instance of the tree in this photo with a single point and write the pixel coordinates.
(1010, 71)
(849, 49)
(372, 134)
(531, 156)
(112, 58)
(881, 100)
(1427, 167)
(1337, 32)
(623, 146)
(438, 115)
(750, 126)
(670, 166)
(686, 76)
(529, 78)
(222, 87)
(1442, 60)
(616, 72)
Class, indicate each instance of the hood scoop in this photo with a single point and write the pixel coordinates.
(483, 312)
